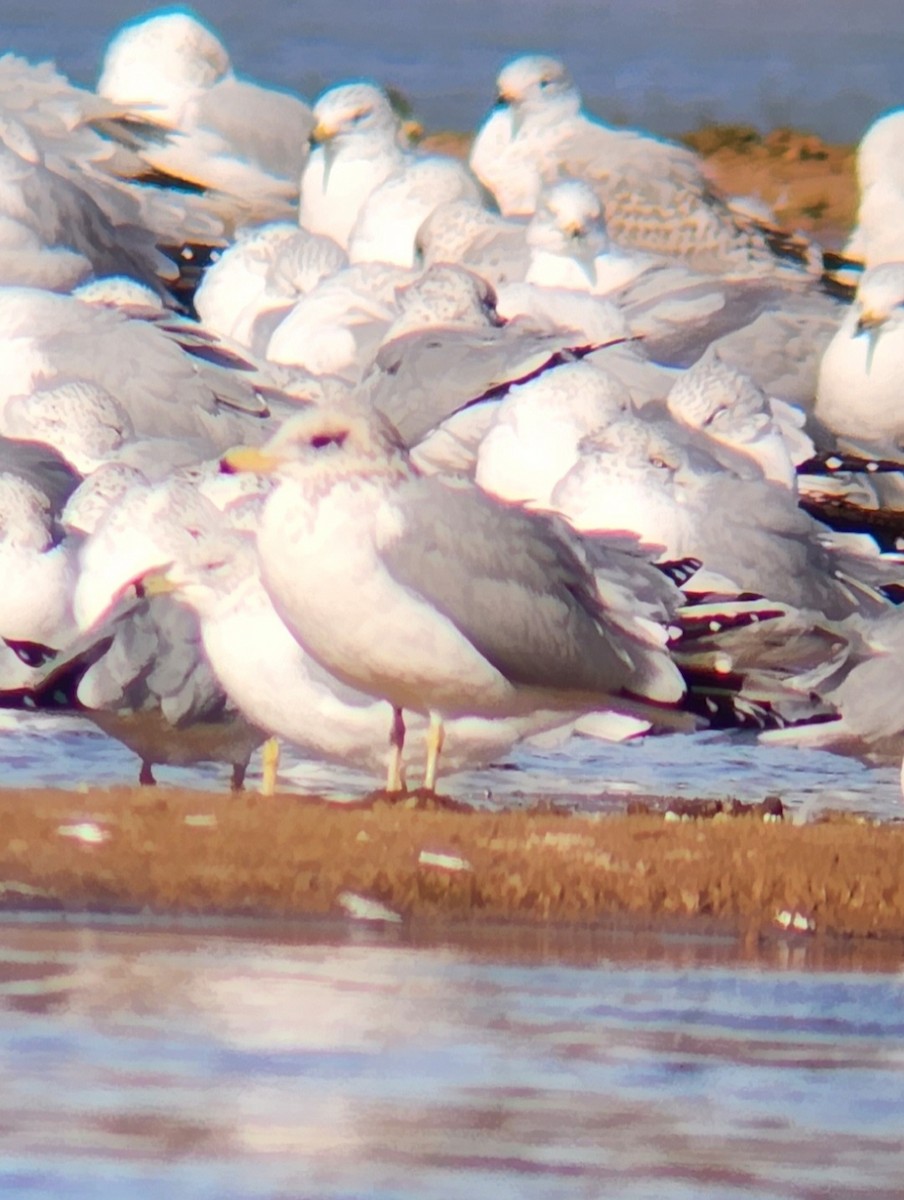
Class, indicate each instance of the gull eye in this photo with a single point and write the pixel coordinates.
(544, 83)
(321, 440)
(32, 654)
(359, 116)
(715, 415)
(659, 463)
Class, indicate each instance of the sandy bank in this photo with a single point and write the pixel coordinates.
(184, 852)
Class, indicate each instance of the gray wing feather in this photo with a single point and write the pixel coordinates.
(511, 585)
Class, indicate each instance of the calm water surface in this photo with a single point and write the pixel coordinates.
(826, 65)
(286, 1062)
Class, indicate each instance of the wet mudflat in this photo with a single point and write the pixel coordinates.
(176, 852)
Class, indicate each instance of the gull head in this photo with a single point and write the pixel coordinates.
(718, 399)
(534, 81)
(569, 220)
(355, 112)
(209, 578)
(323, 446)
(445, 297)
(880, 297)
(149, 528)
(25, 517)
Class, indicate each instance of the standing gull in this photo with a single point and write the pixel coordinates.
(435, 597)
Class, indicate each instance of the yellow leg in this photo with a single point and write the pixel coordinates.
(435, 737)
(269, 766)
(395, 775)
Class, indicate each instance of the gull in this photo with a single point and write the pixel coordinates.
(282, 689)
(358, 147)
(435, 597)
(749, 534)
(38, 561)
(570, 247)
(533, 441)
(735, 416)
(448, 348)
(858, 682)
(654, 193)
(152, 688)
(195, 120)
(363, 187)
(164, 376)
(469, 235)
(858, 392)
(336, 329)
(69, 202)
(878, 235)
(387, 225)
(253, 284)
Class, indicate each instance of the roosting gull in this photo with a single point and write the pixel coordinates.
(437, 598)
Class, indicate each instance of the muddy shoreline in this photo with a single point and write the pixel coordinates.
(177, 852)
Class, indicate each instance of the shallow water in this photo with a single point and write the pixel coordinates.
(41, 749)
(668, 65)
(237, 1062)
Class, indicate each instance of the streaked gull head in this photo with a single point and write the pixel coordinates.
(534, 82)
(358, 112)
(155, 58)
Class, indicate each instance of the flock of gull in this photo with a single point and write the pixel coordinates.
(307, 434)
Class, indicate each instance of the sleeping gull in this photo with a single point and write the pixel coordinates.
(73, 199)
(749, 534)
(244, 144)
(37, 559)
(435, 597)
(466, 233)
(533, 441)
(448, 347)
(165, 375)
(255, 281)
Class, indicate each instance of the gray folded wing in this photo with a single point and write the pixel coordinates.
(511, 584)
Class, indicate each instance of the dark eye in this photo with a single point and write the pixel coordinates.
(321, 440)
(544, 83)
(359, 116)
(32, 654)
(715, 415)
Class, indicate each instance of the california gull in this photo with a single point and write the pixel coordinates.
(437, 598)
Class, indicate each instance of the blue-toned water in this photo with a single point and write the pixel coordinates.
(40, 749)
(825, 65)
(277, 1062)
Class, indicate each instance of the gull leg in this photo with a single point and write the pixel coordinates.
(237, 783)
(436, 735)
(146, 774)
(394, 777)
(269, 766)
